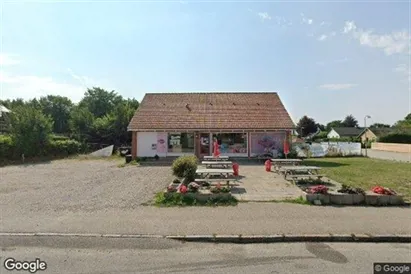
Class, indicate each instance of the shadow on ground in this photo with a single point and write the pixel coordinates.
(324, 163)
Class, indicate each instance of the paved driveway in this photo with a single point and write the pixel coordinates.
(387, 155)
(78, 185)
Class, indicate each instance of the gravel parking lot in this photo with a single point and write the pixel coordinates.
(79, 185)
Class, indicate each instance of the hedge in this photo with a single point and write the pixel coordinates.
(399, 138)
(8, 149)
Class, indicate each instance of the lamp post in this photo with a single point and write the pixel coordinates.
(365, 126)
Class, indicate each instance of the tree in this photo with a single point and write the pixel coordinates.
(58, 108)
(350, 121)
(99, 101)
(335, 123)
(380, 125)
(81, 123)
(321, 127)
(403, 126)
(306, 125)
(30, 130)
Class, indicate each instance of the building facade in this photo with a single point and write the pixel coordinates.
(175, 124)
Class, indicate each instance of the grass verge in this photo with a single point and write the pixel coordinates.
(178, 199)
(367, 173)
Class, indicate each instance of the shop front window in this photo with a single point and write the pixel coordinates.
(232, 142)
(180, 142)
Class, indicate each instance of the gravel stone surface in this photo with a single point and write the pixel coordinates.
(80, 185)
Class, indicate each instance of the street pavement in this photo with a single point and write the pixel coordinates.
(104, 255)
(245, 219)
(387, 155)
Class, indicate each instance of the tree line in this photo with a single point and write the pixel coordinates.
(100, 117)
(307, 125)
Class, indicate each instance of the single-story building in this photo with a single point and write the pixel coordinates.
(245, 124)
(352, 132)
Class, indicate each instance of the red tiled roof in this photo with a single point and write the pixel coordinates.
(228, 110)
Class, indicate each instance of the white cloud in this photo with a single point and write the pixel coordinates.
(337, 86)
(29, 86)
(404, 69)
(322, 37)
(264, 16)
(9, 59)
(394, 43)
(282, 21)
(306, 20)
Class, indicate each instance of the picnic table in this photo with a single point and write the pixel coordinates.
(211, 164)
(221, 174)
(278, 163)
(219, 158)
(295, 171)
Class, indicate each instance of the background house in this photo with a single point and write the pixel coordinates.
(352, 133)
(244, 123)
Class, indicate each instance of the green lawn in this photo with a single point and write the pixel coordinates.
(366, 173)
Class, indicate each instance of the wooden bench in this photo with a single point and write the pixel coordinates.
(207, 180)
(210, 164)
(296, 177)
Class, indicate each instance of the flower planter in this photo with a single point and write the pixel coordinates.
(205, 194)
(372, 198)
(324, 199)
(337, 198)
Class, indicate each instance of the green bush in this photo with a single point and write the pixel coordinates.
(59, 137)
(399, 138)
(185, 167)
(7, 147)
(63, 148)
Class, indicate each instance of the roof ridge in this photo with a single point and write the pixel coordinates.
(215, 92)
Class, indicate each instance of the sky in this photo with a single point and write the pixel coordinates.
(325, 59)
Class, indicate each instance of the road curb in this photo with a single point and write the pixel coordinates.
(238, 239)
(283, 238)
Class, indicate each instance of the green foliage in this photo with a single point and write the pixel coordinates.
(64, 148)
(401, 138)
(178, 199)
(185, 167)
(30, 131)
(333, 124)
(81, 123)
(350, 121)
(7, 147)
(306, 125)
(58, 108)
(320, 136)
(379, 125)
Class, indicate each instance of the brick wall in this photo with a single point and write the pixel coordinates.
(391, 147)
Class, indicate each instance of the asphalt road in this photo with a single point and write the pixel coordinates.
(101, 255)
(387, 155)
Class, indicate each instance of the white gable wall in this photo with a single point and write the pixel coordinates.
(333, 134)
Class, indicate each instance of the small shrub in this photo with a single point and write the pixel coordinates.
(399, 138)
(62, 148)
(193, 187)
(178, 199)
(156, 157)
(7, 147)
(185, 167)
(176, 181)
(321, 189)
(351, 190)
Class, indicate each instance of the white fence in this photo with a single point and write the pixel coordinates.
(328, 149)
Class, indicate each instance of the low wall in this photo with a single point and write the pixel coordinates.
(406, 148)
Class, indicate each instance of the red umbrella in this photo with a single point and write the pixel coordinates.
(216, 150)
(286, 145)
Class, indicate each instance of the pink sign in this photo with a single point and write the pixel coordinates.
(161, 142)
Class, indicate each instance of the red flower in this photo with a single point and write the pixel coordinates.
(183, 189)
